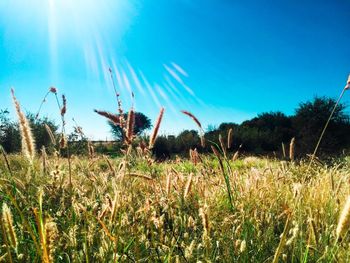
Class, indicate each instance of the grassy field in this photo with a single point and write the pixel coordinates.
(205, 209)
(220, 207)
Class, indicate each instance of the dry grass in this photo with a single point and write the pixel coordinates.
(174, 210)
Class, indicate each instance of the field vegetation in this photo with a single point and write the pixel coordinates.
(63, 205)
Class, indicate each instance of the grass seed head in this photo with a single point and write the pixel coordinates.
(28, 143)
(156, 128)
(344, 220)
(7, 220)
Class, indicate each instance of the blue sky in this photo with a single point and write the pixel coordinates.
(223, 60)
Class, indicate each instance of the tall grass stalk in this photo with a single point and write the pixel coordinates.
(347, 86)
(227, 179)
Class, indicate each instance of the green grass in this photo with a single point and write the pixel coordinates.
(124, 217)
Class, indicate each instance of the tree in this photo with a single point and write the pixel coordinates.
(9, 133)
(142, 123)
(311, 116)
(272, 128)
(10, 137)
(162, 148)
(186, 140)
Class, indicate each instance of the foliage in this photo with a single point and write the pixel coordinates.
(265, 133)
(10, 136)
(9, 133)
(309, 119)
(40, 133)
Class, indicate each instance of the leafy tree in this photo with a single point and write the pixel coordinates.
(272, 128)
(9, 133)
(142, 123)
(162, 148)
(186, 140)
(311, 116)
(10, 137)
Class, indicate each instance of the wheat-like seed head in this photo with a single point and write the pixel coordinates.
(44, 159)
(50, 133)
(222, 145)
(156, 129)
(91, 150)
(28, 144)
(112, 117)
(229, 138)
(130, 126)
(344, 220)
(203, 213)
(215, 151)
(188, 185)
(51, 234)
(292, 149)
(64, 107)
(63, 141)
(7, 221)
(168, 183)
(194, 118)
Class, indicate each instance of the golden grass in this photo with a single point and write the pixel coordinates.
(177, 211)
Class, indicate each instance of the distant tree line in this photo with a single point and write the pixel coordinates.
(263, 134)
(266, 133)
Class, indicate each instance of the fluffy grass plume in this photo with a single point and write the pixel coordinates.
(50, 133)
(7, 221)
(51, 232)
(194, 118)
(344, 220)
(130, 126)
(188, 185)
(64, 105)
(156, 128)
(110, 116)
(229, 138)
(28, 144)
(292, 149)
